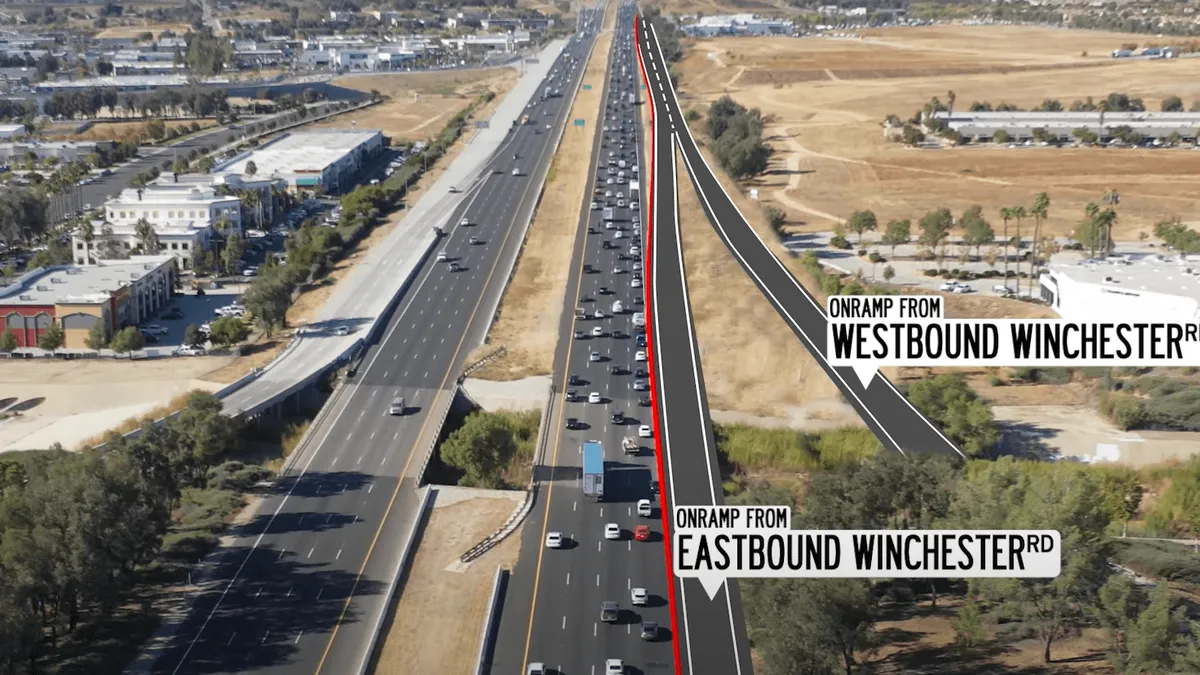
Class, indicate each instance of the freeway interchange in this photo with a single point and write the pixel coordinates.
(306, 584)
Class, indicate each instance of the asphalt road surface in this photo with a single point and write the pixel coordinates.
(711, 630)
(889, 415)
(307, 578)
(551, 612)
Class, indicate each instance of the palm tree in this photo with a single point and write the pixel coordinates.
(87, 232)
(1018, 213)
(1106, 219)
(1040, 209)
(1006, 214)
(146, 235)
(951, 97)
(1102, 107)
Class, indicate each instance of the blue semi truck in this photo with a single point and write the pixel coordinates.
(593, 470)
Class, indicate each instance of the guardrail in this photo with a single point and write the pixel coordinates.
(488, 632)
(450, 395)
(484, 361)
(401, 566)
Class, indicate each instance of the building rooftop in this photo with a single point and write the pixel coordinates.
(309, 152)
(92, 284)
(1167, 275)
(172, 193)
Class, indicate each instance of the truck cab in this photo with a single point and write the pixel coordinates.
(630, 446)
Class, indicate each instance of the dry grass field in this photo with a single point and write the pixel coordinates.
(532, 304)
(826, 98)
(124, 131)
(138, 26)
(421, 102)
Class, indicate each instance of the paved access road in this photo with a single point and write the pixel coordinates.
(889, 415)
(551, 612)
(305, 582)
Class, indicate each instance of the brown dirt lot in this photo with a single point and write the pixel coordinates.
(441, 95)
(827, 98)
(440, 610)
(532, 304)
(135, 30)
(122, 131)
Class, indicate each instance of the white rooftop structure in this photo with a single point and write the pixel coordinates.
(1131, 287)
(310, 158)
(1020, 124)
(79, 285)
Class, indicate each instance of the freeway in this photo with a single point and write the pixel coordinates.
(887, 412)
(710, 628)
(304, 583)
(551, 613)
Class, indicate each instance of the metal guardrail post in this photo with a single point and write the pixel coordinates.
(488, 630)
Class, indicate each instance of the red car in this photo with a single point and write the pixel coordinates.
(642, 533)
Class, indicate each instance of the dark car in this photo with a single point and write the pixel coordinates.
(654, 487)
(616, 369)
(572, 396)
(619, 334)
(618, 417)
(641, 340)
(644, 401)
(641, 372)
(572, 423)
(649, 630)
(604, 290)
(574, 379)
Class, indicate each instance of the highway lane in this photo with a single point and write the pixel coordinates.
(711, 630)
(308, 574)
(889, 415)
(562, 628)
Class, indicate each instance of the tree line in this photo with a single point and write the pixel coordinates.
(166, 102)
(77, 528)
(822, 626)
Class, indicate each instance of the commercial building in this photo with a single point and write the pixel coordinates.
(1021, 125)
(11, 131)
(325, 158)
(65, 151)
(738, 24)
(185, 219)
(1163, 288)
(116, 293)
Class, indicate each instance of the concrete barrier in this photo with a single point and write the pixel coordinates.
(441, 422)
(488, 632)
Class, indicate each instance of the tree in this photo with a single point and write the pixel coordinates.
(976, 230)
(251, 168)
(53, 338)
(1117, 607)
(480, 448)
(776, 219)
(97, 336)
(146, 236)
(897, 233)
(1039, 211)
(1154, 639)
(109, 247)
(1018, 214)
(127, 341)
(861, 222)
(1172, 103)
(965, 418)
(231, 257)
(810, 626)
(935, 230)
(87, 232)
(268, 299)
(888, 273)
(8, 341)
(1001, 137)
(1123, 493)
(193, 336)
(228, 331)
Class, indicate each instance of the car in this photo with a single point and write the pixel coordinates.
(640, 385)
(609, 611)
(572, 423)
(641, 372)
(473, 241)
(639, 355)
(579, 335)
(454, 266)
(649, 630)
(442, 257)
(641, 533)
(594, 357)
(154, 329)
(644, 431)
(572, 396)
(597, 332)
(619, 235)
(654, 487)
(397, 407)
(618, 417)
(638, 597)
(645, 508)
(554, 540)
(635, 282)
(604, 291)
(598, 314)
(618, 334)
(516, 171)
(612, 531)
(963, 288)
(616, 369)
(594, 397)
(536, 669)
(189, 350)
(644, 401)
(341, 330)
(574, 379)
(614, 667)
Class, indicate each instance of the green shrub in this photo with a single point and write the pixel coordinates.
(1159, 559)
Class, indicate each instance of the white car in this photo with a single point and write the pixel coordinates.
(948, 286)
(639, 597)
(594, 357)
(598, 314)
(636, 282)
(554, 540)
(645, 508)
(640, 385)
(612, 531)
(636, 250)
(188, 350)
(536, 669)
(594, 397)
(465, 222)
(614, 667)
(962, 288)
(516, 171)
(442, 257)
(597, 332)
(341, 330)
(639, 355)
(644, 431)
(618, 235)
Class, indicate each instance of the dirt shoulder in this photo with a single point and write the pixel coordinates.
(438, 616)
(532, 304)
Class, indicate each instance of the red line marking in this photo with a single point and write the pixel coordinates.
(664, 510)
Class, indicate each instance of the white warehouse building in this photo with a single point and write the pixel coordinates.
(326, 158)
(1020, 125)
(1161, 288)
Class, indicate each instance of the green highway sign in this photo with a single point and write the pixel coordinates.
(587, 86)
(578, 122)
